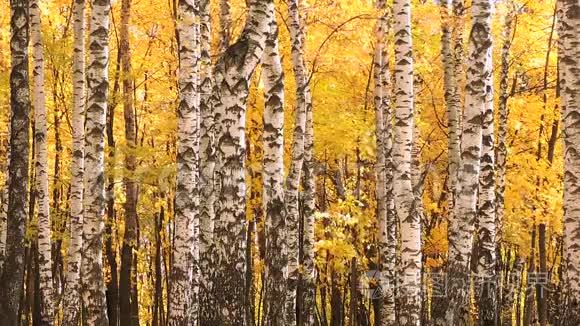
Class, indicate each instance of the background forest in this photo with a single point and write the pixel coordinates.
(335, 205)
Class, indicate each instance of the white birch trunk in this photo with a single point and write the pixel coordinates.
(308, 277)
(452, 97)
(502, 121)
(273, 179)
(41, 167)
(570, 94)
(384, 169)
(303, 102)
(72, 292)
(410, 289)
(183, 304)
(461, 229)
(486, 233)
(207, 165)
(94, 190)
(232, 74)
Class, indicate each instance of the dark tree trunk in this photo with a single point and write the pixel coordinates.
(127, 280)
(529, 299)
(13, 272)
(542, 278)
(110, 251)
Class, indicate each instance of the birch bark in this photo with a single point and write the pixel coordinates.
(183, 304)
(384, 169)
(273, 179)
(461, 230)
(94, 190)
(13, 272)
(41, 167)
(72, 293)
(409, 312)
(232, 75)
(303, 102)
(570, 94)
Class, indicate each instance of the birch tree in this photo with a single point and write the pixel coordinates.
(303, 102)
(450, 40)
(183, 308)
(232, 74)
(41, 167)
(273, 138)
(461, 230)
(486, 232)
(507, 308)
(72, 293)
(570, 93)
(94, 190)
(384, 168)
(410, 308)
(308, 277)
(13, 272)
(207, 165)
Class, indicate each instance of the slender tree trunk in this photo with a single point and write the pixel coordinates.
(542, 277)
(183, 301)
(158, 311)
(486, 232)
(207, 164)
(41, 168)
(303, 104)
(4, 204)
(461, 230)
(273, 179)
(3, 220)
(233, 73)
(570, 94)
(111, 241)
(384, 170)
(452, 57)
(529, 302)
(112, 283)
(452, 97)
(308, 277)
(410, 309)
(126, 287)
(94, 196)
(506, 308)
(511, 292)
(13, 271)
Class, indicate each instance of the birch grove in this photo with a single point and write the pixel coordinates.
(289, 163)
